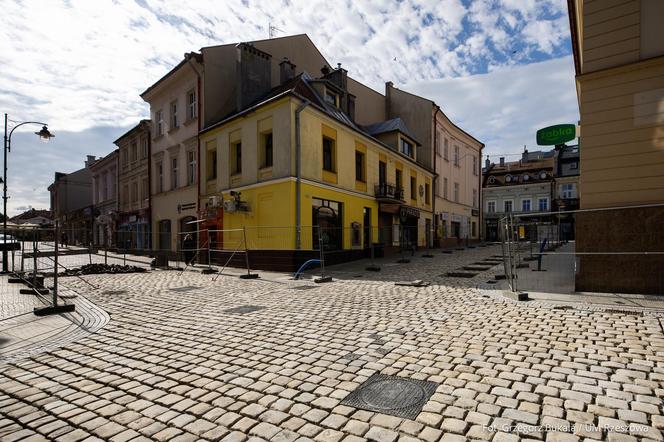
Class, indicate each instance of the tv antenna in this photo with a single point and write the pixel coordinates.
(272, 30)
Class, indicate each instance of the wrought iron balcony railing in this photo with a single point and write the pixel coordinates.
(389, 191)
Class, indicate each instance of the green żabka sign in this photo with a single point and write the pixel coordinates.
(554, 135)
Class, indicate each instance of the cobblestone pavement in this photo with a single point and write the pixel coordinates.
(174, 364)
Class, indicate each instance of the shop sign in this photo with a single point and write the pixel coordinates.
(555, 135)
(475, 212)
(187, 206)
(409, 212)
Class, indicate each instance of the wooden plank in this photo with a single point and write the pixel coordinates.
(610, 50)
(610, 12)
(611, 25)
(608, 38)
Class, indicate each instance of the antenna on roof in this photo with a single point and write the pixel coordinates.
(272, 30)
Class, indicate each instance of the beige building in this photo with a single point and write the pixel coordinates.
(175, 109)
(455, 157)
(619, 60)
(104, 199)
(133, 218)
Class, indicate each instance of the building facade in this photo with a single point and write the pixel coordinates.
(133, 225)
(296, 159)
(619, 61)
(455, 157)
(71, 203)
(566, 197)
(526, 187)
(175, 110)
(104, 199)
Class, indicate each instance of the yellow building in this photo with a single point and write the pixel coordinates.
(299, 143)
(619, 60)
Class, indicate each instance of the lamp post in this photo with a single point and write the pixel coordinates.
(45, 136)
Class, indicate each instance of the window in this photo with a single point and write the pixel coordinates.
(474, 229)
(159, 123)
(456, 156)
(236, 158)
(134, 192)
(474, 165)
(160, 176)
(145, 189)
(125, 158)
(144, 147)
(474, 197)
(437, 146)
(125, 193)
(573, 165)
(543, 204)
(191, 105)
(328, 155)
(382, 173)
(211, 163)
(359, 166)
(174, 115)
(406, 148)
(174, 173)
(266, 150)
(525, 205)
(327, 216)
(491, 206)
(427, 193)
(507, 205)
(568, 190)
(456, 192)
(134, 151)
(191, 167)
(445, 193)
(413, 188)
(399, 179)
(446, 150)
(330, 97)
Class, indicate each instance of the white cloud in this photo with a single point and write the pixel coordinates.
(505, 108)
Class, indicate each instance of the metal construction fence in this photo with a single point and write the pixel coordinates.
(609, 250)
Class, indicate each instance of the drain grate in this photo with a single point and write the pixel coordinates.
(396, 396)
(244, 309)
(623, 312)
(186, 288)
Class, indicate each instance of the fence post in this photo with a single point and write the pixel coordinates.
(321, 248)
(249, 275)
(55, 270)
(209, 269)
(372, 267)
(34, 257)
(22, 252)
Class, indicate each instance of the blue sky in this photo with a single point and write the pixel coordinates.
(499, 68)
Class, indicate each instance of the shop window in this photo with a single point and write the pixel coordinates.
(328, 225)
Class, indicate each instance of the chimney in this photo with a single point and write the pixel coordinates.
(252, 73)
(502, 161)
(91, 159)
(388, 97)
(324, 70)
(286, 70)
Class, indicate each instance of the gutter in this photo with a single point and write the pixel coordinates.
(298, 175)
(188, 57)
(434, 182)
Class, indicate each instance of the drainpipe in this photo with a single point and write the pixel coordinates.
(298, 177)
(434, 184)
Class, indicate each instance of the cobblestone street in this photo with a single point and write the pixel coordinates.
(180, 361)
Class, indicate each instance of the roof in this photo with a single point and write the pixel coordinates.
(32, 213)
(395, 124)
(140, 124)
(187, 56)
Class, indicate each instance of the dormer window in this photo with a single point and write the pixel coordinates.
(330, 97)
(406, 148)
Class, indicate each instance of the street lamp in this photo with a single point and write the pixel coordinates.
(44, 135)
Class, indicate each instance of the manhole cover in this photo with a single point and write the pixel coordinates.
(304, 287)
(391, 395)
(244, 309)
(186, 288)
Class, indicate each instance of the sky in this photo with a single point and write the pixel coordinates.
(500, 69)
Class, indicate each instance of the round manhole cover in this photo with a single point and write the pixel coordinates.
(388, 394)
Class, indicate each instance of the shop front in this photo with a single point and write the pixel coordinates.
(134, 230)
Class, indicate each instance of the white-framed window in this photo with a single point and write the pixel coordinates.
(159, 122)
(174, 173)
(543, 204)
(191, 105)
(568, 190)
(508, 206)
(474, 197)
(174, 114)
(526, 205)
(144, 147)
(491, 207)
(191, 167)
(456, 192)
(407, 148)
(456, 156)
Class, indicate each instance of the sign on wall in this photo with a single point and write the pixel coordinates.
(554, 135)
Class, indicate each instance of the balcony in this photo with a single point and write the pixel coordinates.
(388, 192)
